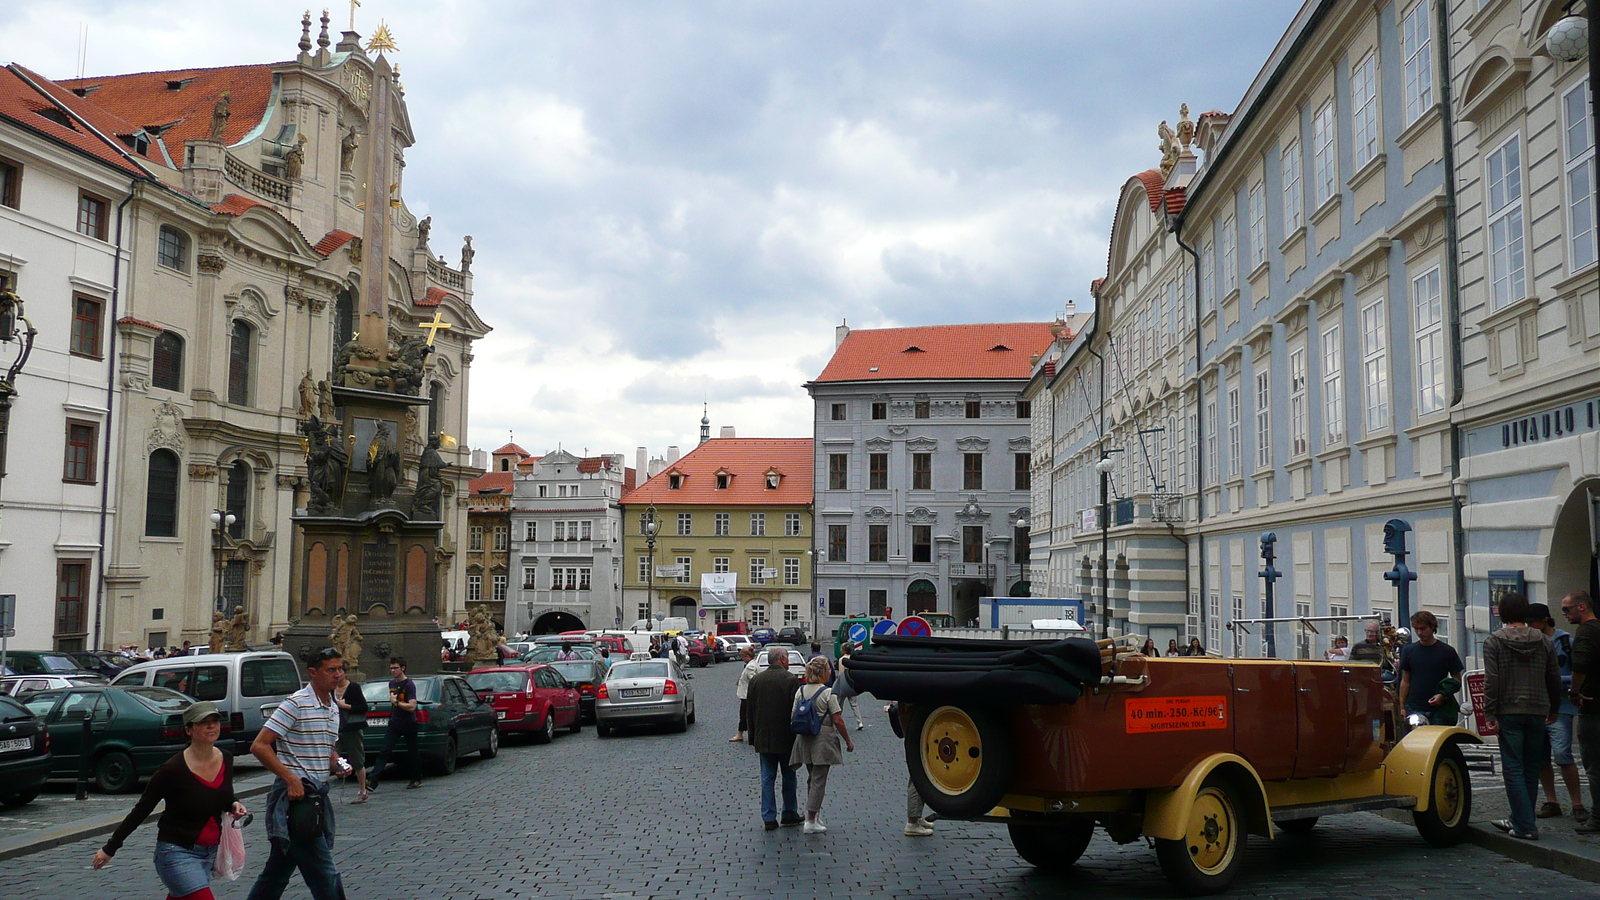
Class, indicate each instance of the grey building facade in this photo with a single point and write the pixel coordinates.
(566, 543)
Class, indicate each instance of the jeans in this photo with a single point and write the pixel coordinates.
(314, 859)
(1588, 732)
(184, 871)
(413, 761)
(1524, 750)
(771, 765)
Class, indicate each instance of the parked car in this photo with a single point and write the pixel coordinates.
(792, 634)
(618, 645)
(763, 635)
(547, 654)
(726, 629)
(104, 663)
(737, 642)
(132, 731)
(646, 692)
(24, 754)
(246, 686)
(43, 662)
(699, 653)
(586, 676)
(531, 699)
(451, 721)
(17, 685)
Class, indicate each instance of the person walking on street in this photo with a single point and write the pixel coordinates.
(352, 730)
(842, 688)
(1578, 607)
(771, 699)
(1561, 732)
(742, 691)
(402, 725)
(917, 824)
(197, 787)
(818, 750)
(1522, 693)
(1423, 666)
(297, 743)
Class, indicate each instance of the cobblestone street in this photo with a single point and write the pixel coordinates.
(656, 815)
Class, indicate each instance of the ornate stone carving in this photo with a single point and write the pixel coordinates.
(166, 430)
(210, 264)
(921, 515)
(1017, 515)
(972, 511)
(1020, 444)
(898, 430)
(136, 381)
(202, 472)
(922, 444)
(294, 295)
(354, 246)
(316, 303)
(879, 444)
(288, 481)
(466, 358)
(972, 444)
(877, 514)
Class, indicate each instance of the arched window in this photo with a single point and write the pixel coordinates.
(239, 363)
(166, 368)
(238, 497)
(172, 249)
(161, 495)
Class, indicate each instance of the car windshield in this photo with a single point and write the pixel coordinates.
(639, 670)
(12, 711)
(159, 699)
(498, 682)
(549, 654)
(574, 671)
(52, 662)
(378, 691)
(271, 676)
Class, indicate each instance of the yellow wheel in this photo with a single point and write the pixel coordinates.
(1207, 858)
(952, 750)
(1445, 822)
(959, 758)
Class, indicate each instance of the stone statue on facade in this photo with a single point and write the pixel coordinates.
(352, 647)
(482, 638)
(430, 482)
(383, 467)
(220, 111)
(347, 149)
(1169, 148)
(308, 396)
(219, 631)
(411, 432)
(238, 626)
(340, 635)
(467, 253)
(326, 463)
(325, 401)
(294, 162)
(423, 228)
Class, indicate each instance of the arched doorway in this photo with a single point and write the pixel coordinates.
(921, 597)
(685, 607)
(964, 600)
(1020, 589)
(556, 622)
(1573, 564)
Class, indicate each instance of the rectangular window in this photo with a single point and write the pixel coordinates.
(585, 578)
(921, 409)
(530, 575)
(475, 537)
(880, 410)
(86, 326)
(877, 471)
(1299, 440)
(972, 543)
(685, 523)
(791, 524)
(838, 543)
(530, 531)
(92, 216)
(877, 602)
(1208, 279)
(921, 543)
(836, 601)
(1024, 409)
(836, 412)
(588, 531)
(644, 568)
(499, 588)
(1507, 264)
(1213, 465)
(685, 568)
(1235, 435)
(474, 588)
(758, 524)
(972, 471)
(1263, 420)
(72, 591)
(722, 526)
(838, 472)
(922, 471)
(1364, 110)
(1425, 299)
(10, 184)
(791, 570)
(877, 543)
(719, 564)
(1258, 225)
(791, 613)
(1230, 256)
(1214, 621)
(758, 568)
(974, 409)
(1022, 478)
(81, 440)
(1332, 387)
(1580, 176)
(502, 539)
(1416, 45)
(1294, 212)
(172, 249)
(1324, 160)
(1375, 365)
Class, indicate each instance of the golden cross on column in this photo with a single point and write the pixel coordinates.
(434, 326)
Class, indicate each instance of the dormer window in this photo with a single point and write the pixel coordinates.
(674, 482)
(998, 347)
(178, 84)
(913, 349)
(722, 481)
(773, 476)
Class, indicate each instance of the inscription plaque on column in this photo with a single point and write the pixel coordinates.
(377, 575)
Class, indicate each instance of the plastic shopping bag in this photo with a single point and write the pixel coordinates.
(230, 854)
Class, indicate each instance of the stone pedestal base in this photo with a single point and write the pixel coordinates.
(413, 637)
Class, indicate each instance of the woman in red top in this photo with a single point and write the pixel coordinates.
(197, 786)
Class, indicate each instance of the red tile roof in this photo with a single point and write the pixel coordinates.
(938, 351)
(748, 459)
(496, 482)
(23, 103)
(434, 297)
(130, 320)
(510, 448)
(144, 99)
(332, 241)
(1153, 182)
(236, 205)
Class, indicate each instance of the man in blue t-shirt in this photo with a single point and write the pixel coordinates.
(1423, 665)
(1561, 730)
(402, 724)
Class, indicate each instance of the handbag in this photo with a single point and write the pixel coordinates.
(229, 863)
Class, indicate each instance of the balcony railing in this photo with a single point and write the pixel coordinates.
(972, 570)
(255, 181)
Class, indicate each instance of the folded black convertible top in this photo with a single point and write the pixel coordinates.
(958, 670)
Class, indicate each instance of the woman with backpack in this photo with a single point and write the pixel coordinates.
(818, 724)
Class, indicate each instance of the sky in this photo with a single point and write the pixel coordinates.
(675, 202)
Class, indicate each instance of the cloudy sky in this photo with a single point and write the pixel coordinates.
(678, 200)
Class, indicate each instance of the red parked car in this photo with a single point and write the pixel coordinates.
(531, 699)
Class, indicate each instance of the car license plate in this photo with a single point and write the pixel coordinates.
(499, 714)
(637, 692)
(15, 745)
(377, 723)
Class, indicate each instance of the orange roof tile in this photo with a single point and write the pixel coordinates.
(145, 99)
(434, 297)
(510, 448)
(130, 320)
(496, 482)
(23, 103)
(748, 459)
(1153, 186)
(332, 241)
(236, 205)
(938, 351)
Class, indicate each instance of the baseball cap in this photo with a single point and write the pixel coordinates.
(197, 712)
(1538, 612)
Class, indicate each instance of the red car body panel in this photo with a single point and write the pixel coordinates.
(525, 710)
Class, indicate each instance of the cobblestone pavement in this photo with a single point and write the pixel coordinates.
(658, 815)
(58, 804)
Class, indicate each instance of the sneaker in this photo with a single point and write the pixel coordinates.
(860, 725)
(1580, 814)
(1590, 826)
(928, 820)
(736, 739)
(1549, 810)
(1525, 835)
(771, 826)
(791, 819)
(813, 828)
(361, 798)
(918, 828)
(415, 784)
(1504, 825)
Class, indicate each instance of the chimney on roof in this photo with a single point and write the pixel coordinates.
(656, 465)
(727, 431)
(641, 458)
(840, 333)
(480, 459)
(672, 455)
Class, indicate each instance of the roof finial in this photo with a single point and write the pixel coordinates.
(322, 37)
(305, 33)
(353, 5)
(382, 40)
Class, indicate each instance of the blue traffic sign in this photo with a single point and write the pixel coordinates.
(916, 626)
(858, 633)
(886, 626)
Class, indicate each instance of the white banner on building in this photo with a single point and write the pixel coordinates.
(769, 574)
(719, 590)
(1091, 519)
(673, 571)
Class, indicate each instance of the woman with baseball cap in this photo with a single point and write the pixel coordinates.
(197, 786)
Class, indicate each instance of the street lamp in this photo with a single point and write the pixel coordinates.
(11, 314)
(816, 602)
(221, 521)
(648, 526)
(1021, 525)
(1104, 467)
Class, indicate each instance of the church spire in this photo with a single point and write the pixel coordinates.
(705, 423)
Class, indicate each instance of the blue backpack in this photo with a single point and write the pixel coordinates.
(807, 718)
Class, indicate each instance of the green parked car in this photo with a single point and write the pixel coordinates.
(451, 722)
(132, 731)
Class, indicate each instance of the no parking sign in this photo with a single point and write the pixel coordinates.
(916, 626)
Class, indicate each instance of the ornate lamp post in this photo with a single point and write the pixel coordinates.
(1104, 467)
(221, 521)
(11, 315)
(648, 526)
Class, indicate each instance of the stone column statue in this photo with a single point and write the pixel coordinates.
(237, 627)
(220, 112)
(352, 647)
(383, 467)
(430, 482)
(295, 160)
(467, 253)
(219, 629)
(326, 462)
(347, 149)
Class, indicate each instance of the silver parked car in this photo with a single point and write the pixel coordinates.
(644, 692)
(17, 685)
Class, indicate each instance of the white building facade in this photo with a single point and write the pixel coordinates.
(566, 543)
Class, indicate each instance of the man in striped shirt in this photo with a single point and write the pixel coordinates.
(297, 744)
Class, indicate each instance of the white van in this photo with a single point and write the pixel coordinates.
(675, 623)
(247, 687)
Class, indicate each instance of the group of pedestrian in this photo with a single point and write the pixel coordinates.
(791, 725)
(1193, 648)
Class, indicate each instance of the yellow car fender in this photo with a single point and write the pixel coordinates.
(1166, 812)
(1408, 769)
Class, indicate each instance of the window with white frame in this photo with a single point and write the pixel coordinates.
(1580, 177)
(1258, 225)
(757, 615)
(1263, 417)
(1299, 442)
(1212, 464)
(1364, 136)
(474, 588)
(1214, 622)
(722, 615)
(1302, 634)
(1294, 204)
(1324, 160)
(719, 564)
(475, 537)
(1375, 365)
(1507, 262)
(758, 567)
(791, 570)
(587, 532)
(685, 563)
(530, 531)
(530, 576)
(1230, 256)
(791, 524)
(498, 585)
(1425, 299)
(721, 526)
(685, 523)
(758, 524)
(1332, 387)
(1238, 633)
(1208, 279)
(1416, 45)
(502, 538)
(1338, 629)
(1235, 432)
(791, 613)
(644, 568)
(585, 576)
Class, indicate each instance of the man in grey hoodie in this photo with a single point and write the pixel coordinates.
(1522, 693)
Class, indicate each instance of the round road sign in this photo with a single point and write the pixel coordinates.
(702, 614)
(915, 626)
(887, 626)
(858, 633)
